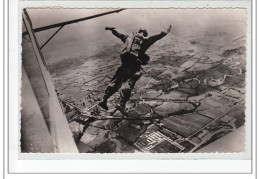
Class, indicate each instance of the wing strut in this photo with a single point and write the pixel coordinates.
(62, 24)
(73, 21)
(51, 37)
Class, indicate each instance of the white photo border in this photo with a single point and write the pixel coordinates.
(44, 163)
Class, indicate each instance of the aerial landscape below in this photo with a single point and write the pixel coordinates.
(190, 95)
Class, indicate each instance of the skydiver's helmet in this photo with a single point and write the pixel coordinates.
(145, 33)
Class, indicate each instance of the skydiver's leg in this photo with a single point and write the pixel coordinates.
(134, 79)
(112, 88)
(125, 93)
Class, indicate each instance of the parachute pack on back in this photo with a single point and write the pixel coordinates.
(133, 44)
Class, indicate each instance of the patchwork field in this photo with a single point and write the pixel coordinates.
(194, 95)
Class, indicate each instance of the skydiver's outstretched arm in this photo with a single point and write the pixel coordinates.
(151, 40)
(117, 34)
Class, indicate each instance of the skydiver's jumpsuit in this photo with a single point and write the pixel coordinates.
(130, 70)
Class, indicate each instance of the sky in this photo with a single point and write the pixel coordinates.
(89, 37)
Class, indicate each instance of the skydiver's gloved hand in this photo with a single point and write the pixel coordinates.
(109, 28)
(168, 30)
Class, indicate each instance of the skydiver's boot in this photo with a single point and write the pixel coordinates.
(125, 96)
(103, 104)
(108, 93)
(121, 107)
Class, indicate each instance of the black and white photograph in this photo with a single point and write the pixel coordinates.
(125, 80)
